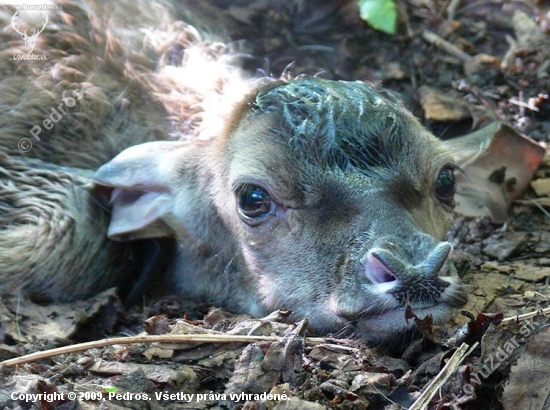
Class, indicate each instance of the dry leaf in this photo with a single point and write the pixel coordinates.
(499, 163)
(528, 386)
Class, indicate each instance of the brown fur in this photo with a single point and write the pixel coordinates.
(53, 239)
(118, 55)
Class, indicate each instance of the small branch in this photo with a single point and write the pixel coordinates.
(451, 9)
(189, 338)
(526, 316)
(523, 104)
(433, 387)
(449, 48)
(459, 355)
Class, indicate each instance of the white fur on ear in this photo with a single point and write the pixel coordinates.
(143, 179)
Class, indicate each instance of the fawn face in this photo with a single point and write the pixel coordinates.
(325, 198)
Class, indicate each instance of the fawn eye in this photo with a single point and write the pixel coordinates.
(254, 202)
(445, 186)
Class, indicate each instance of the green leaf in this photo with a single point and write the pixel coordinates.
(380, 14)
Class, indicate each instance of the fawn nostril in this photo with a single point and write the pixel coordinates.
(437, 258)
(377, 271)
(383, 266)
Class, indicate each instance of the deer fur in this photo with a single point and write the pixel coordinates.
(53, 238)
(140, 72)
(317, 196)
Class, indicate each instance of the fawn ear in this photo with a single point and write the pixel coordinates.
(498, 164)
(140, 185)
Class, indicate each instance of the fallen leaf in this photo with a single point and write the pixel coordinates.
(528, 386)
(541, 186)
(521, 270)
(498, 164)
(442, 106)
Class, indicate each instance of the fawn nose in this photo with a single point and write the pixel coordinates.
(411, 278)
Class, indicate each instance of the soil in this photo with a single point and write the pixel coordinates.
(494, 66)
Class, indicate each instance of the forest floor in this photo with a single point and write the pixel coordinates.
(458, 66)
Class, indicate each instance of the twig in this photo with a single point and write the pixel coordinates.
(463, 85)
(403, 14)
(189, 338)
(523, 104)
(526, 316)
(198, 338)
(440, 42)
(433, 387)
(451, 9)
(460, 354)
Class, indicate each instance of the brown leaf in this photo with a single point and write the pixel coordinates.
(263, 365)
(442, 106)
(528, 386)
(79, 320)
(541, 186)
(499, 163)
